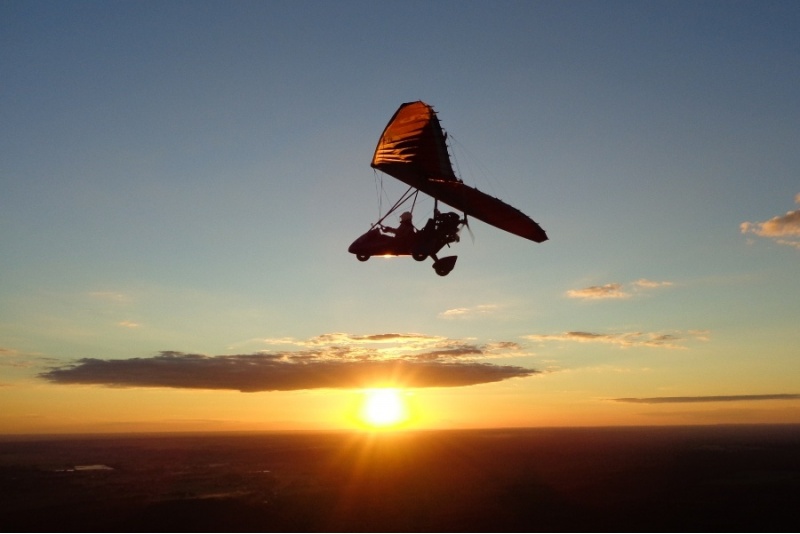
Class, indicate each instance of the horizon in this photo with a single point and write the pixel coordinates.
(382, 434)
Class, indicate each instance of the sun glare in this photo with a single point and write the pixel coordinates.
(384, 408)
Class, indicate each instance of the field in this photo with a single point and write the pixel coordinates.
(726, 478)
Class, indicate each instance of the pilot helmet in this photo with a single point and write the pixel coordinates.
(405, 216)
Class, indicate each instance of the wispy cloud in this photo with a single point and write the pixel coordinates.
(372, 339)
(708, 398)
(17, 359)
(673, 340)
(783, 229)
(644, 283)
(608, 291)
(330, 364)
(614, 290)
(467, 312)
(12, 358)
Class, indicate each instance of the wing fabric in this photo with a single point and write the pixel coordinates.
(412, 149)
(486, 208)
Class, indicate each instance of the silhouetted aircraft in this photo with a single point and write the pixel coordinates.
(413, 149)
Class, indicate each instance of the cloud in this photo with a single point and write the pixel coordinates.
(502, 346)
(460, 313)
(614, 290)
(447, 363)
(783, 229)
(608, 291)
(341, 338)
(650, 283)
(625, 339)
(390, 345)
(709, 398)
(13, 358)
(349, 339)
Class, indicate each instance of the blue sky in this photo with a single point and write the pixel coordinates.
(187, 177)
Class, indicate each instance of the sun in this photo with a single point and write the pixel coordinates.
(384, 408)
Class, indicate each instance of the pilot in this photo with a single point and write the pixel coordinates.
(404, 233)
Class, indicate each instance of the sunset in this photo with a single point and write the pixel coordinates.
(384, 408)
(186, 186)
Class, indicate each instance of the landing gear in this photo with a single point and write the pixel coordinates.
(445, 265)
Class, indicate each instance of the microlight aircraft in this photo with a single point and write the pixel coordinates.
(413, 149)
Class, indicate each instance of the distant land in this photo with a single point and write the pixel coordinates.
(623, 479)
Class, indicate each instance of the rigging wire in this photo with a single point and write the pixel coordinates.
(381, 192)
(479, 174)
(378, 178)
(402, 200)
(452, 155)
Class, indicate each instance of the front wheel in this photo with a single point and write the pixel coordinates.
(362, 257)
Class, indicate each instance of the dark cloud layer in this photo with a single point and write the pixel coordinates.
(286, 371)
(710, 398)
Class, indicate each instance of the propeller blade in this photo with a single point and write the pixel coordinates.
(465, 224)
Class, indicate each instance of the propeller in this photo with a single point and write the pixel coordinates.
(465, 224)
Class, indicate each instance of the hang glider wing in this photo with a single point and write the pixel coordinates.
(412, 149)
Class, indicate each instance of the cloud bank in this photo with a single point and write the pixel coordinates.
(709, 398)
(783, 229)
(331, 362)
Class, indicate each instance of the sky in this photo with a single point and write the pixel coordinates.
(181, 181)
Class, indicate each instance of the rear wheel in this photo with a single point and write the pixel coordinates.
(362, 257)
(419, 256)
(443, 266)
